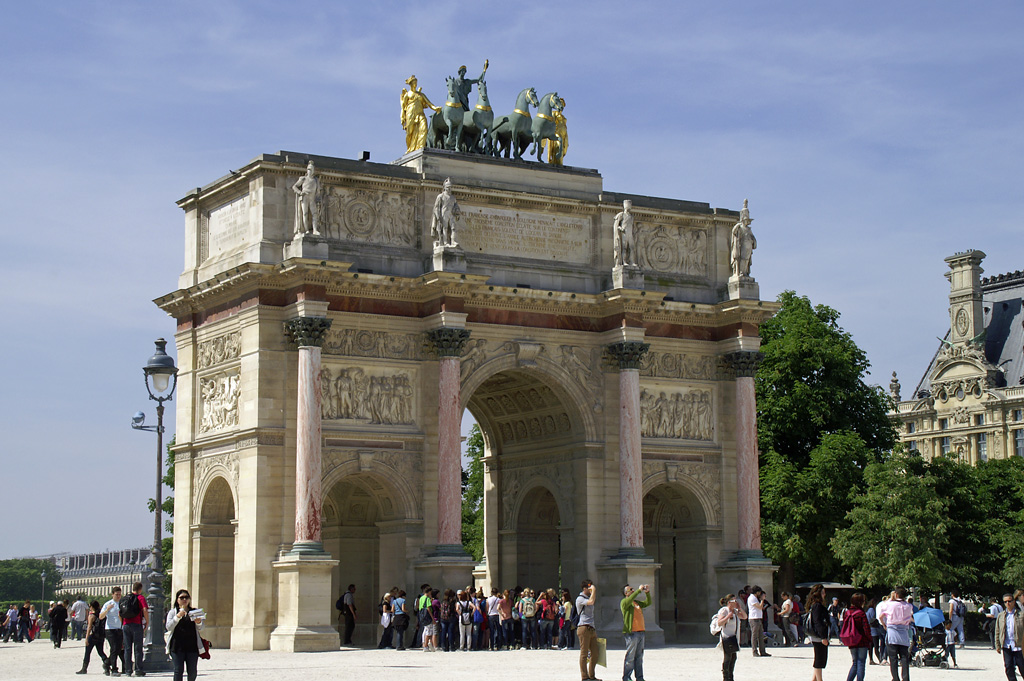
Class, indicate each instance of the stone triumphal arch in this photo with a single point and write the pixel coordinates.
(328, 350)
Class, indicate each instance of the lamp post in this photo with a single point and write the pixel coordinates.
(42, 596)
(161, 379)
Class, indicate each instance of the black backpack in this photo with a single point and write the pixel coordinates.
(574, 619)
(129, 606)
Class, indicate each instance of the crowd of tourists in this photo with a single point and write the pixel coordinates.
(872, 630)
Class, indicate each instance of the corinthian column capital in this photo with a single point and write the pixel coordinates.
(307, 331)
(448, 342)
(628, 354)
(742, 364)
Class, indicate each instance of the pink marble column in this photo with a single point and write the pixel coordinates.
(308, 494)
(308, 333)
(631, 523)
(449, 344)
(748, 488)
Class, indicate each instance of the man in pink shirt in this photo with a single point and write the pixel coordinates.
(897, 615)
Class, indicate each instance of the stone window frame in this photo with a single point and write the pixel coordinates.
(945, 445)
(981, 442)
(1018, 442)
(979, 419)
(943, 424)
(911, 427)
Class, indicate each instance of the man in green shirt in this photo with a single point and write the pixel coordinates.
(633, 630)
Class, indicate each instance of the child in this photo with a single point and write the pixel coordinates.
(950, 643)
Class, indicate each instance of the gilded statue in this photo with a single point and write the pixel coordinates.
(742, 244)
(556, 148)
(624, 245)
(414, 121)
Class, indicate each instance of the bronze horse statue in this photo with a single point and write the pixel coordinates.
(477, 123)
(544, 125)
(513, 132)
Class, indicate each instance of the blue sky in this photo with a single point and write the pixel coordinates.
(873, 139)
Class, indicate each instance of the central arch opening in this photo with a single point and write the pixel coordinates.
(533, 442)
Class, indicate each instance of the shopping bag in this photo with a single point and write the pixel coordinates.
(602, 652)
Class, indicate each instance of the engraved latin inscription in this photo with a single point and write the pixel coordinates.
(229, 226)
(525, 235)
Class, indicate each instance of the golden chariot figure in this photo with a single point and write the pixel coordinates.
(556, 149)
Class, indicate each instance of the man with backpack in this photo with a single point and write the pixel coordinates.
(134, 619)
(957, 612)
(347, 605)
(423, 600)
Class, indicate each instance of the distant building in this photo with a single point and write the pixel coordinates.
(970, 402)
(97, 573)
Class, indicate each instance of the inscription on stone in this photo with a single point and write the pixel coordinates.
(229, 226)
(495, 231)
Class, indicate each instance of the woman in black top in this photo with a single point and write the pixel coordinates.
(183, 641)
(819, 628)
(94, 637)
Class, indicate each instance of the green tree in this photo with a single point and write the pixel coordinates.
(21, 578)
(898, 528)
(1000, 498)
(473, 495)
(819, 425)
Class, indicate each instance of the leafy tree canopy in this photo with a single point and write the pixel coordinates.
(473, 495)
(20, 578)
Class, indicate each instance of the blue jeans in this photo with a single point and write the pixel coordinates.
(507, 636)
(494, 626)
(531, 637)
(447, 639)
(545, 633)
(860, 662)
(77, 630)
(477, 636)
(181, 662)
(634, 659)
(132, 634)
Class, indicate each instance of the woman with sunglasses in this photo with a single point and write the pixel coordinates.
(183, 641)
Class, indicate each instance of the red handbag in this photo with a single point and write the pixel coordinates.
(206, 649)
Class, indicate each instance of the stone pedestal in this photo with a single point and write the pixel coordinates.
(612, 575)
(449, 259)
(305, 605)
(742, 287)
(627, 276)
(312, 246)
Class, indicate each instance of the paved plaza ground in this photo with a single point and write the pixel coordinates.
(38, 661)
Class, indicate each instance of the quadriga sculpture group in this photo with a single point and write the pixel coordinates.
(457, 127)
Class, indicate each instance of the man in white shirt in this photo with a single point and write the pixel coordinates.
(957, 610)
(111, 614)
(755, 616)
(79, 613)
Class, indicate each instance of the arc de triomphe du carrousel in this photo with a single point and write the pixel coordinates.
(334, 319)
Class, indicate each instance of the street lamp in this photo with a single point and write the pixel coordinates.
(161, 380)
(42, 597)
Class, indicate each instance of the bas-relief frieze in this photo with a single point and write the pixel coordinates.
(702, 478)
(352, 393)
(396, 466)
(513, 482)
(669, 249)
(218, 350)
(369, 216)
(681, 414)
(678, 365)
(218, 400)
(376, 344)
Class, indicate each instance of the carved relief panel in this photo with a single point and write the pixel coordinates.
(672, 249)
(218, 350)
(218, 401)
(678, 365)
(369, 216)
(361, 394)
(378, 344)
(682, 414)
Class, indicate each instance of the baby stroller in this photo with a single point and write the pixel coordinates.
(930, 648)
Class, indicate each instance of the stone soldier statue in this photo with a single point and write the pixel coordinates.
(625, 246)
(414, 121)
(446, 212)
(463, 86)
(306, 189)
(742, 245)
